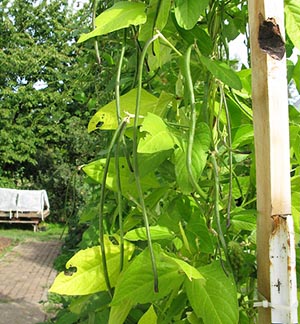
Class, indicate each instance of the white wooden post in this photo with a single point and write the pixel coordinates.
(275, 236)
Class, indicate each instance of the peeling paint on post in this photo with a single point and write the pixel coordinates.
(283, 271)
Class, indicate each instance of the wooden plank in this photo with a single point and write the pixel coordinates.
(271, 129)
(17, 221)
(25, 214)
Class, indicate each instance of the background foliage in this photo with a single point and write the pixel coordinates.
(43, 105)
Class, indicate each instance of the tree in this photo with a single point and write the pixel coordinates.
(47, 95)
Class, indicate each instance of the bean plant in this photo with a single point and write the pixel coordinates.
(172, 218)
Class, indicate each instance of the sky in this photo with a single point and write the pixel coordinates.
(78, 4)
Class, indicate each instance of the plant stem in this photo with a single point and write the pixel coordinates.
(168, 42)
(216, 205)
(193, 120)
(116, 136)
(96, 46)
(117, 167)
(117, 88)
(223, 98)
(135, 160)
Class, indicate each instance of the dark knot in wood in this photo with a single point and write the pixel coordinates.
(269, 38)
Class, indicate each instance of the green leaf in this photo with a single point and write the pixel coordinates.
(87, 276)
(161, 15)
(95, 171)
(204, 42)
(90, 303)
(190, 271)
(295, 181)
(187, 12)
(292, 21)
(223, 72)
(238, 111)
(244, 220)
(193, 319)
(68, 318)
(298, 297)
(149, 317)
(178, 211)
(158, 137)
(215, 299)
(121, 15)
(296, 74)
(77, 305)
(241, 135)
(157, 233)
(296, 210)
(106, 117)
(199, 237)
(136, 282)
(298, 266)
(150, 162)
(119, 313)
(157, 16)
(162, 104)
(176, 308)
(294, 131)
(199, 156)
(245, 77)
(182, 176)
(160, 55)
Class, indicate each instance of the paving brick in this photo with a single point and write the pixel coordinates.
(26, 275)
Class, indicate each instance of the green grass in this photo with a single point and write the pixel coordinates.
(20, 233)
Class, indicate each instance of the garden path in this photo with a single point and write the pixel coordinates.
(26, 273)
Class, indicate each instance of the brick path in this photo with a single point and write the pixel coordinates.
(26, 273)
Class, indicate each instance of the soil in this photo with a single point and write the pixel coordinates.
(5, 242)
